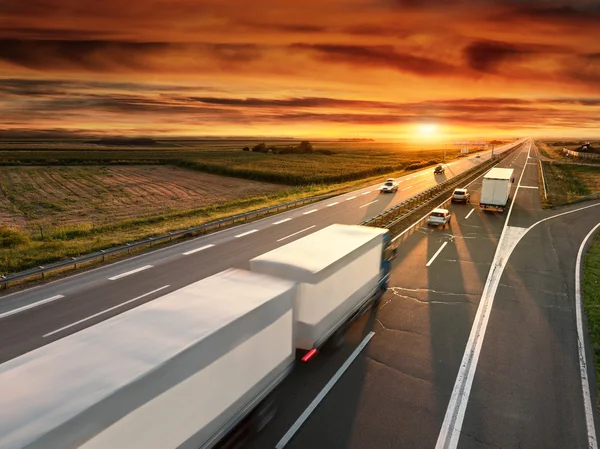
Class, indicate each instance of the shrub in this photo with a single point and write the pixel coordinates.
(246, 149)
(10, 238)
(260, 148)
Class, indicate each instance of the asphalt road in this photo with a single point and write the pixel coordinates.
(527, 389)
(42, 314)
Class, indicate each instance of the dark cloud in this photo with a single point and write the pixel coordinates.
(486, 56)
(378, 56)
(53, 34)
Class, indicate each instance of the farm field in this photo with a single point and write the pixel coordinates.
(61, 196)
(554, 149)
(569, 182)
(60, 200)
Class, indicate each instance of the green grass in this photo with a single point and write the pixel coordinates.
(591, 297)
(567, 183)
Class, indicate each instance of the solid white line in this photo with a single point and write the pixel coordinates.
(469, 214)
(326, 389)
(585, 385)
(529, 187)
(351, 198)
(103, 312)
(436, 254)
(365, 205)
(296, 233)
(31, 306)
(137, 270)
(309, 212)
(202, 248)
(282, 221)
(333, 204)
(246, 233)
(409, 187)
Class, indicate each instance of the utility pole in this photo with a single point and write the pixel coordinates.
(492, 152)
(444, 153)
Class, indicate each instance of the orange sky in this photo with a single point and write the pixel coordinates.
(311, 68)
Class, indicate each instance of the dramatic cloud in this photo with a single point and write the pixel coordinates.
(312, 68)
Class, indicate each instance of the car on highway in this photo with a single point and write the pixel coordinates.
(439, 170)
(439, 217)
(461, 196)
(478, 157)
(389, 186)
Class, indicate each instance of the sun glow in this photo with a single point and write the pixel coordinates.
(427, 130)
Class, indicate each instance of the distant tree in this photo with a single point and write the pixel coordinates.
(305, 147)
(246, 149)
(260, 148)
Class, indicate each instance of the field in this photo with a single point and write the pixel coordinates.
(554, 149)
(65, 199)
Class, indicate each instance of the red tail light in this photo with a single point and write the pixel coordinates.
(309, 355)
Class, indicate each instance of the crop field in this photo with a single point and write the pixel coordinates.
(554, 148)
(58, 196)
(568, 182)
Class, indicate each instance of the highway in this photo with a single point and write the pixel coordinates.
(42, 314)
(524, 386)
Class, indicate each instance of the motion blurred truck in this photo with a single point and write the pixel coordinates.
(200, 366)
(495, 189)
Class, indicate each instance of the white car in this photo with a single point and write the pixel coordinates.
(461, 196)
(389, 186)
(439, 217)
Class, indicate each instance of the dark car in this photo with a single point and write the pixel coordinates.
(438, 170)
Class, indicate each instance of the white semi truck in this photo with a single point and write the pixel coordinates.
(198, 367)
(495, 189)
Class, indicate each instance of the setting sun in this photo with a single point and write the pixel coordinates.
(427, 130)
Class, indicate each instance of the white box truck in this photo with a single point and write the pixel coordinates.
(495, 189)
(181, 371)
(341, 271)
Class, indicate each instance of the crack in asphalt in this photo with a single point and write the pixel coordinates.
(385, 328)
(400, 371)
(480, 441)
(396, 292)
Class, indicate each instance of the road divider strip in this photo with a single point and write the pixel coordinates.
(333, 204)
(310, 212)
(282, 221)
(367, 204)
(436, 254)
(326, 389)
(31, 306)
(296, 233)
(49, 334)
(469, 214)
(137, 270)
(350, 198)
(202, 248)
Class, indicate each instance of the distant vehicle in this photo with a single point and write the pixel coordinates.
(495, 189)
(389, 186)
(478, 157)
(439, 217)
(439, 170)
(461, 196)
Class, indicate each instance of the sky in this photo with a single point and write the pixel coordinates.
(383, 69)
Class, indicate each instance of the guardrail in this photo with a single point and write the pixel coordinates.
(41, 271)
(406, 209)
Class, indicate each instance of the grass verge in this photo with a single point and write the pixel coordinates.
(591, 298)
(568, 183)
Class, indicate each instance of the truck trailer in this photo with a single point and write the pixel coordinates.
(341, 271)
(495, 189)
(182, 371)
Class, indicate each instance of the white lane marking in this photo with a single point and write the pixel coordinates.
(409, 187)
(531, 163)
(31, 306)
(469, 214)
(137, 270)
(529, 187)
(296, 233)
(585, 385)
(202, 248)
(351, 198)
(436, 254)
(366, 193)
(103, 312)
(326, 389)
(310, 212)
(282, 221)
(455, 413)
(246, 233)
(365, 205)
(333, 204)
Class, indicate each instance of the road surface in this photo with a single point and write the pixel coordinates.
(42, 314)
